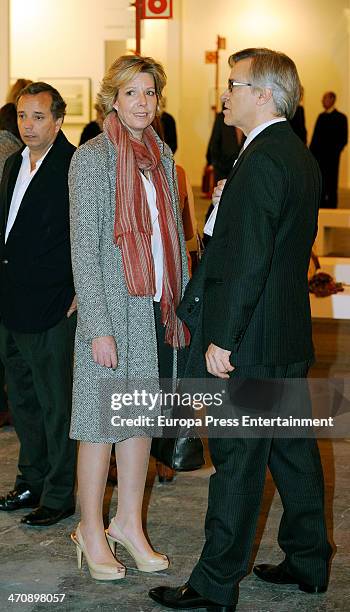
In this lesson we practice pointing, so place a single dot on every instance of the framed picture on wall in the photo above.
(76, 92)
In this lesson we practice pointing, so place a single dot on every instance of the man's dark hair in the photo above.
(8, 119)
(58, 105)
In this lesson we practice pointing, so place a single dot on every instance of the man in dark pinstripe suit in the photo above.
(250, 301)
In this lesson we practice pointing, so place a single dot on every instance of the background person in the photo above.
(224, 145)
(130, 267)
(37, 308)
(298, 120)
(94, 128)
(328, 140)
(10, 142)
(16, 88)
(10, 139)
(168, 125)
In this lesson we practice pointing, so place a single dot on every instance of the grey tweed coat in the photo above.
(104, 306)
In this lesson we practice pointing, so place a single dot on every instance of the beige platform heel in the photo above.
(155, 563)
(98, 571)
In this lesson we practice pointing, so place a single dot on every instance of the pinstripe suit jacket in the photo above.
(250, 293)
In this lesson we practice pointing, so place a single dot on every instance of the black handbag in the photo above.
(182, 454)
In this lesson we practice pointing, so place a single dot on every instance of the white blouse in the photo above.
(156, 241)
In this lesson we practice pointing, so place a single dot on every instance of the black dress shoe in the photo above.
(19, 498)
(278, 574)
(44, 516)
(185, 597)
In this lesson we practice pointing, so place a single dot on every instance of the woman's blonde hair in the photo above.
(123, 70)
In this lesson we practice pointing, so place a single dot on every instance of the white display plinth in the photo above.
(335, 306)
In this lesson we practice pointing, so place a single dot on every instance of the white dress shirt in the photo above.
(209, 226)
(156, 241)
(24, 177)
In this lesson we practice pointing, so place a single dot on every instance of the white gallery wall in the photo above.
(313, 32)
(66, 38)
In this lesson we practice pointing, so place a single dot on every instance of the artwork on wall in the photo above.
(76, 92)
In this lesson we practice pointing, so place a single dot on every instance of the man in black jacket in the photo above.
(251, 296)
(225, 144)
(168, 124)
(328, 140)
(37, 307)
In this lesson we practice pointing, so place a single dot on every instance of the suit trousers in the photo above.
(235, 495)
(39, 379)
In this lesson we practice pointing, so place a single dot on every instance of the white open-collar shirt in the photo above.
(24, 178)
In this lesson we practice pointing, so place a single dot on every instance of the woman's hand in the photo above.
(104, 351)
(218, 192)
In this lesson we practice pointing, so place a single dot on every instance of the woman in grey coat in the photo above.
(130, 269)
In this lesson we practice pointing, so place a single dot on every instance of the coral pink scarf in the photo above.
(133, 227)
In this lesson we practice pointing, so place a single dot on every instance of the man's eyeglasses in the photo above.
(232, 84)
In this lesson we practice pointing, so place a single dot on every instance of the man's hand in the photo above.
(104, 351)
(73, 307)
(218, 361)
(218, 192)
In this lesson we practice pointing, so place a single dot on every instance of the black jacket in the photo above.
(169, 130)
(330, 136)
(298, 124)
(251, 289)
(36, 281)
(223, 146)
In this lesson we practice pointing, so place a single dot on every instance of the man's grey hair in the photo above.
(276, 71)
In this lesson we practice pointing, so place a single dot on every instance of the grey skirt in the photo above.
(94, 386)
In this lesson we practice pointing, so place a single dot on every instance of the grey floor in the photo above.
(43, 561)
